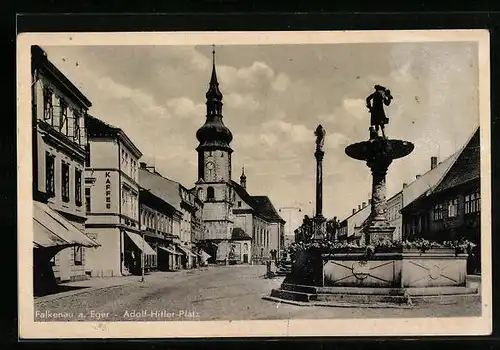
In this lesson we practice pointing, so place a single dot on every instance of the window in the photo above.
(438, 211)
(87, 200)
(65, 182)
(210, 193)
(87, 155)
(222, 154)
(78, 187)
(472, 203)
(63, 117)
(239, 204)
(48, 108)
(78, 255)
(453, 208)
(49, 175)
(76, 127)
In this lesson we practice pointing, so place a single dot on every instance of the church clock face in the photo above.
(210, 165)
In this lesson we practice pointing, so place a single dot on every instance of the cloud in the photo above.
(281, 83)
(184, 107)
(241, 101)
(140, 99)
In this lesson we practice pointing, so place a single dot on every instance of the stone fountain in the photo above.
(373, 273)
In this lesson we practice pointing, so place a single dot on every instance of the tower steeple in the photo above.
(243, 178)
(214, 134)
(214, 95)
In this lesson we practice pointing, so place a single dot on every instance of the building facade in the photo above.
(59, 152)
(450, 208)
(112, 193)
(186, 218)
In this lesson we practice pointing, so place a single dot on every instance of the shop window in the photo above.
(49, 175)
(65, 182)
(453, 208)
(472, 203)
(87, 200)
(78, 187)
(78, 255)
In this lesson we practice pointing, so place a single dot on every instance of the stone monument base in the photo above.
(392, 277)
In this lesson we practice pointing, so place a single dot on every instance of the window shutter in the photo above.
(71, 122)
(56, 111)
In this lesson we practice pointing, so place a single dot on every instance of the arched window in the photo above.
(210, 193)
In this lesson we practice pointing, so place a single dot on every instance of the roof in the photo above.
(239, 234)
(265, 208)
(98, 128)
(161, 187)
(261, 205)
(39, 60)
(466, 168)
(430, 181)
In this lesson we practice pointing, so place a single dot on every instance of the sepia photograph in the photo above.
(254, 184)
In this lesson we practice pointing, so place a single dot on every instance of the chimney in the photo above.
(418, 176)
(353, 210)
(364, 204)
(405, 185)
(143, 165)
(434, 162)
(359, 206)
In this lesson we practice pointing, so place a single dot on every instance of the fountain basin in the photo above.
(370, 149)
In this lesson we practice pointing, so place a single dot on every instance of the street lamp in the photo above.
(142, 252)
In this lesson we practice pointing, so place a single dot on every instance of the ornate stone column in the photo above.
(319, 221)
(378, 152)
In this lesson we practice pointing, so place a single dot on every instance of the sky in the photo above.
(274, 98)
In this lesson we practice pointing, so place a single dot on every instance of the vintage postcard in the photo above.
(243, 184)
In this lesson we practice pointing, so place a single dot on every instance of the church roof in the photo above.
(261, 205)
(239, 234)
(265, 207)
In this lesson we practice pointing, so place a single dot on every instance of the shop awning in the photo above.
(205, 256)
(186, 251)
(169, 250)
(140, 243)
(51, 229)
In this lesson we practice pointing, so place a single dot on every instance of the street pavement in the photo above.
(209, 293)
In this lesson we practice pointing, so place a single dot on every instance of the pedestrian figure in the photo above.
(375, 104)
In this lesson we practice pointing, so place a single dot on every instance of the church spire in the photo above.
(214, 134)
(243, 178)
(213, 95)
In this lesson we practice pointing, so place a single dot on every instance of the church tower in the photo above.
(243, 178)
(214, 167)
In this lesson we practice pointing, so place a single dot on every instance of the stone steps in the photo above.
(376, 297)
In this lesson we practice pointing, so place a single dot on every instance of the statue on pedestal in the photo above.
(320, 138)
(375, 104)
